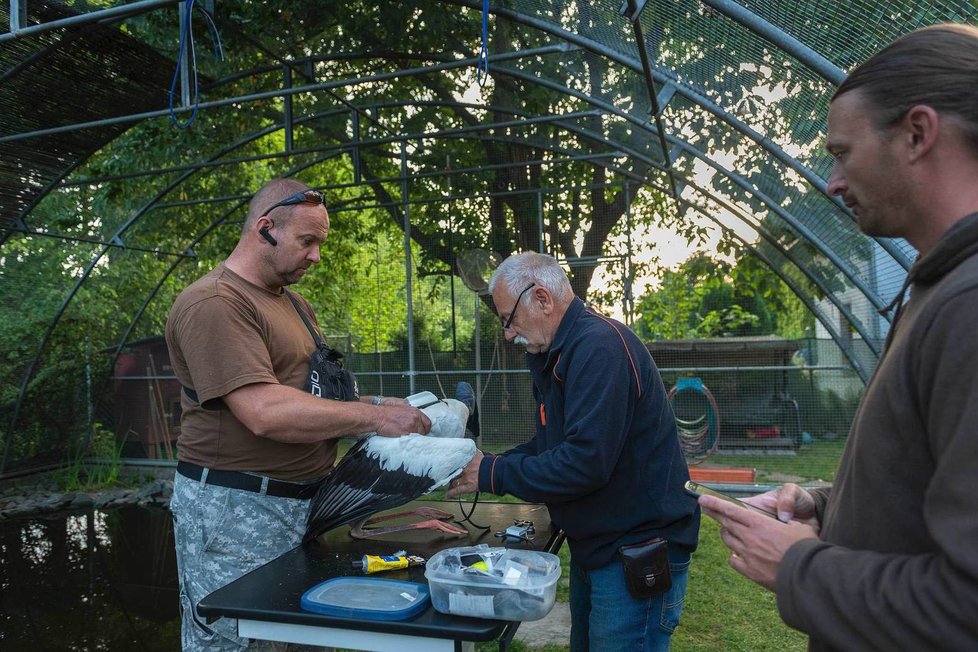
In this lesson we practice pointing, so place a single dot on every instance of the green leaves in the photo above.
(704, 297)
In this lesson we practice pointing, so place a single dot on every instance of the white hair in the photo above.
(519, 270)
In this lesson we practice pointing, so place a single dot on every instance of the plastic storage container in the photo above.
(366, 597)
(501, 583)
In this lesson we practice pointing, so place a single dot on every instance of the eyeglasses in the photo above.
(304, 197)
(509, 321)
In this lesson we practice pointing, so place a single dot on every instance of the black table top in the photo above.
(272, 592)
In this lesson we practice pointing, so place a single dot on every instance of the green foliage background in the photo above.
(113, 243)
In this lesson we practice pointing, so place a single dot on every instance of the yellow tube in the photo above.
(376, 563)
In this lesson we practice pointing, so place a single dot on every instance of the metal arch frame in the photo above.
(338, 148)
(310, 150)
(803, 231)
(792, 285)
(425, 70)
(783, 214)
(829, 327)
(800, 229)
(585, 133)
(429, 69)
(265, 95)
(784, 41)
(279, 93)
(138, 215)
(789, 44)
(285, 93)
(121, 11)
(437, 173)
(698, 99)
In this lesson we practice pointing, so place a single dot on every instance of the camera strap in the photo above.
(327, 377)
(331, 354)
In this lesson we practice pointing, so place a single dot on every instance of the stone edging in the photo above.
(42, 502)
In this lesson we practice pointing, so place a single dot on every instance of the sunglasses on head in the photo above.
(304, 197)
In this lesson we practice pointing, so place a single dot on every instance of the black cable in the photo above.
(467, 518)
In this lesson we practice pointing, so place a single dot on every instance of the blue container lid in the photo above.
(372, 598)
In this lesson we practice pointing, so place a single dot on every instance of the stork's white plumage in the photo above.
(380, 473)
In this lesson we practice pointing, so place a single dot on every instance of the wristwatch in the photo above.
(376, 400)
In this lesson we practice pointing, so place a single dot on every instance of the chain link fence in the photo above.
(782, 422)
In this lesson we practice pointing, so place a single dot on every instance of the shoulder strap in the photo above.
(305, 320)
(332, 354)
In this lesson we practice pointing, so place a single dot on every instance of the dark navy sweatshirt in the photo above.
(605, 457)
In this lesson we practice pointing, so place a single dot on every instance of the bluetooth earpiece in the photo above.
(263, 232)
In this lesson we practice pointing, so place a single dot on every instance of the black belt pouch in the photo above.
(646, 567)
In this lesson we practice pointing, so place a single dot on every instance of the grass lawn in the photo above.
(815, 462)
(726, 611)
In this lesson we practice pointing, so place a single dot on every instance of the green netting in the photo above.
(560, 151)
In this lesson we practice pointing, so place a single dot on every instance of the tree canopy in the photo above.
(586, 133)
(707, 297)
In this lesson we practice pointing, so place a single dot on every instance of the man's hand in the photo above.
(398, 420)
(468, 481)
(757, 543)
(790, 502)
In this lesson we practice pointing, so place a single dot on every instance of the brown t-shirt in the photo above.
(224, 333)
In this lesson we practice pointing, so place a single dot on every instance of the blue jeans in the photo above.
(606, 618)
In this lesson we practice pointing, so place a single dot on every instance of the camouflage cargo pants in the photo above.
(221, 534)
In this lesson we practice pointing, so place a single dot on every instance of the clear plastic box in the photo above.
(499, 583)
(366, 597)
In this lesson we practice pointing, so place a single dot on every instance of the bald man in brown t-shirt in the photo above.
(252, 442)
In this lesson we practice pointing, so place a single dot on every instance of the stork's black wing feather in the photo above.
(358, 487)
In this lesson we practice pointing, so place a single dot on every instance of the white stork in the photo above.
(380, 473)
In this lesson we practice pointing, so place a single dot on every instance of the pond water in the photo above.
(92, 580)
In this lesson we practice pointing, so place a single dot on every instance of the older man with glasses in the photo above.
(605, 459)
(252, 441)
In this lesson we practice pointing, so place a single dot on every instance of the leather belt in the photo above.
(248, 481)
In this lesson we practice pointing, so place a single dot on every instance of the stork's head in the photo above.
(448, 415)
(448, 418)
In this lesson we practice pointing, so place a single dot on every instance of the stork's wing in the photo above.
(380, 473)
